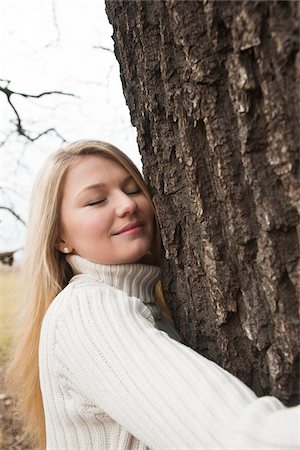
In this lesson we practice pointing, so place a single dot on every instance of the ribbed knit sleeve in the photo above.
(107, 351)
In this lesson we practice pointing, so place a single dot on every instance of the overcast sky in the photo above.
(52, 45)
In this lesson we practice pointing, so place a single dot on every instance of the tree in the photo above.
(212, 89)
(18, 129)
(41, 105)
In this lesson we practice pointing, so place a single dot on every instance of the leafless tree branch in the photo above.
(3, 142)
(8, 92)
(55, 22)
(19, 125)
(49, 130)
(103, 48)
(10, 189)
(11, 211)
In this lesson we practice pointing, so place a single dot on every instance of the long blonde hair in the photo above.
(46, 272)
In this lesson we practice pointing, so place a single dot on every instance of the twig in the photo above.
(19, 125)
(7, 208)
(103, 48)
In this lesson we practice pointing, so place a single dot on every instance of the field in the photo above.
(8, 287)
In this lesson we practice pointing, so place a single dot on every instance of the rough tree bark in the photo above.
(212, 89)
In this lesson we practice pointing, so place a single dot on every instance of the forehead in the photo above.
(90, 169)
(95, 166)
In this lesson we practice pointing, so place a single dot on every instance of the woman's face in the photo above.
(105, 217)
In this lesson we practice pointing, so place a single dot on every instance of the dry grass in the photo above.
(8, 288)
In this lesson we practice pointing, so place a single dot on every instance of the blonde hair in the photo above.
(46, 272)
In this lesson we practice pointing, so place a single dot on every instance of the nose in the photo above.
(125, 204)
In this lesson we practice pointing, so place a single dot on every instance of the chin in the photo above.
(134, 260)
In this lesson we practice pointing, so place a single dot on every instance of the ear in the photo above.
(62, 246)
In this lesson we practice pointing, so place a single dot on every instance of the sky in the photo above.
(51, 45)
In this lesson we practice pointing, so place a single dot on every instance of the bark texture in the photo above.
(213, 91)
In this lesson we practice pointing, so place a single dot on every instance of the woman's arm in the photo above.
(162, 392)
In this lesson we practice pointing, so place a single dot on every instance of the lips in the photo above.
(130, 226)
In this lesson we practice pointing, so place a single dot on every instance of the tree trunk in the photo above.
(212, 89)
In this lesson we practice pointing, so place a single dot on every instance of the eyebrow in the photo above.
(97, 186)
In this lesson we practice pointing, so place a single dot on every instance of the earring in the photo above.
(66, 250)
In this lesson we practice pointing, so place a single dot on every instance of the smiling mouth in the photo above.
(131, 228)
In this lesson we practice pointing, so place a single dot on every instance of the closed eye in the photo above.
(136, 191)
(95, 202)
(100, 201)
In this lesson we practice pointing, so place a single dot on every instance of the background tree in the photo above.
(45, 94)
(7, 257)
(213, 92)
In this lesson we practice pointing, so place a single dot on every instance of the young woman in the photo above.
(99, 363)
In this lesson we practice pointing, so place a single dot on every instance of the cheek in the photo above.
(85, 226)
(95, 224)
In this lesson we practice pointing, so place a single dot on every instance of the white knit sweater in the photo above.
(111, 380)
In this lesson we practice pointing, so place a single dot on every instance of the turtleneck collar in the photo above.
(137, 280)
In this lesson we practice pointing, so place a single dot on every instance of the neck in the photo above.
(137, 279)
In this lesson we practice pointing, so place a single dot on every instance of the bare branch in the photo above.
(8, 92)
(19, 125)
(8, 189)
(55, 22)
(49, 130)
(7, 208)
(6, 139)
(103, 48)
(20, 128)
